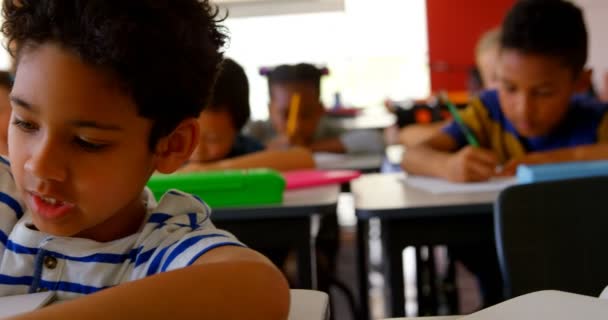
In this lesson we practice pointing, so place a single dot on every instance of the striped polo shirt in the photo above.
(586, 122)
(176, 232)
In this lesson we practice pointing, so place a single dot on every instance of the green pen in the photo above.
(465, 130)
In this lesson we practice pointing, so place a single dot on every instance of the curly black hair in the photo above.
(301, 72)
(165, 53)
(553, 28)
(231, 93)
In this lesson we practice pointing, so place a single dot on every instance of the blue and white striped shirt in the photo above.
(176, 231)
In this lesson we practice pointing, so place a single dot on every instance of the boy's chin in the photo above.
(54, 230)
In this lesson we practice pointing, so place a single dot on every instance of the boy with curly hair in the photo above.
(91, 122)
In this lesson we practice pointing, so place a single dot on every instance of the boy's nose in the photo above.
(45, 162)
(524, 106)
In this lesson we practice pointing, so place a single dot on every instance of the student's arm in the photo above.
(281, 160)
(436, 157)
(352, 142)
(582, 153)
(415, 134)
(225, 283)
(334, 145)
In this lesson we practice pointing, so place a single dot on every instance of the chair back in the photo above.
(552, 235)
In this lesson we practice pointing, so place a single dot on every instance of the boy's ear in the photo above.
(173, 150)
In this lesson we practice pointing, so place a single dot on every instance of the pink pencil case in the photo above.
(312, 178)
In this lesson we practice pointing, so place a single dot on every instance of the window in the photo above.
(374, 49)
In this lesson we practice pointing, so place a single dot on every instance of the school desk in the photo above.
(412, 217)
(546, 305)
(288, 225)
(340, 161)
(428, 318)
(371, 118)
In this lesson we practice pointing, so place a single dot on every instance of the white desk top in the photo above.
(546, 305)
(323, 195)
(428, 318)
(338, 161)
(296, 203)
(378, 192)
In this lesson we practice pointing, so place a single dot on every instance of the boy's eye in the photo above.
(510, 88)
(25, 125)
(543, 92)
(89, 146)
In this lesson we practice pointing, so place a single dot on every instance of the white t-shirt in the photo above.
(176, 231)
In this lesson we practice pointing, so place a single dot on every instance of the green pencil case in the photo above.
(229, 188)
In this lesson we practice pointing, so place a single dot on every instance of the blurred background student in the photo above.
(482, 77)
(297, 116)
(222, 144)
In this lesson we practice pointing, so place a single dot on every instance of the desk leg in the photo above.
(306, 254)
(426, 275)
(393, 271)
(363, 270)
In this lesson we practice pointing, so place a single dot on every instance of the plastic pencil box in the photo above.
(227, 188)
(560, 171)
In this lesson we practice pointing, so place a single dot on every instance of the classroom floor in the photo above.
(469, 297)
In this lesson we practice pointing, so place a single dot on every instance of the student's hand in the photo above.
(280, 142)
(471, 164)
(510, 168)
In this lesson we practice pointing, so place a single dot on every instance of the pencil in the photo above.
(465, 130)
(292, 118)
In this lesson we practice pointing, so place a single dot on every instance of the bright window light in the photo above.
(374, 50)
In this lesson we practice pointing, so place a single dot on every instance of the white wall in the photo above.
(596, 17)
(374, 49)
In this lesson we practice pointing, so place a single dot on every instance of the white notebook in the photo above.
(545, 305)
(441, 186)
(13, 305)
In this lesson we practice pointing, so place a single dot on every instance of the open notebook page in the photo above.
(441, 186)
(13, 305)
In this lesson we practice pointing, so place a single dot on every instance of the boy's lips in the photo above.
(49, 207)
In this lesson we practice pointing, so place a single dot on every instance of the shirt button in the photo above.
(50, 262)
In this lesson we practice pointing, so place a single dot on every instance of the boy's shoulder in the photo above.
(585, 104)
(489, 100)
(244, 145)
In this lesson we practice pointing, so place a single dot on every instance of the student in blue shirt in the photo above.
(224, 117)
(90, 123)
(312, 129)
(534, 116)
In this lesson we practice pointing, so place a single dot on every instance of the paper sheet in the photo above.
(13, 305)
(441, 186)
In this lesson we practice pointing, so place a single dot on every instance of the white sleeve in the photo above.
(11, 209)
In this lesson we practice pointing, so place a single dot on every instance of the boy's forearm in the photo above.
(280, 160)
(229, 290)
(423, 160)
(328, 145)
(581, 153)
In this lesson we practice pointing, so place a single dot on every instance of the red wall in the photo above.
(453, 28)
